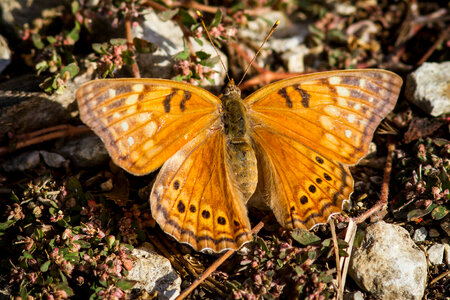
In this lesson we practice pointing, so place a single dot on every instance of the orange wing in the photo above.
(334, 113)
(143, 122)
(307, 129)
(194, 198)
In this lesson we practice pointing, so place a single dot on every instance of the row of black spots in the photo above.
(181, 207)
(312, 188)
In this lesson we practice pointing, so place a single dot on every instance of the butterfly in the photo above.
(292, 141)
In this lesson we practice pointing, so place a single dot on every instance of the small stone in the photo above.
(294, 59)
(434, 233)
(389, 264)
(436, 254)
(53, 160)
(429, 88)
(107, 186)
(22, 162)
(354, 296)
(420, 234)
(445, 225)
(447, 254)
(153, 272)
(85, 151)
(5, 54)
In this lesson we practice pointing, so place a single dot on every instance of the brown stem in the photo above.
(204, 8)
(62, 130)
(384, 188)
(340, 288)
(444, 35)
(130, 44)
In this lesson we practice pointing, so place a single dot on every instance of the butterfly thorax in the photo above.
(241, 158)
(233, 113)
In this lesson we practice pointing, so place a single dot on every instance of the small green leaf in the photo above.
(167, 15)
(186, 18)
(117, 42)
(6, 225)
(99, 48)
(74, 34)
(304, 237)
(439, 212)
(202, 55)
(199, 41)
(27, 255)
(416, 214)
(71, 69)
(143, 46)
(183, 55)
(217, 18)
(262, 244)
(44, 267)
(125, 284)
(210, 62)
(75, 6)
(37, 41)
(65, 287)
(72, 256)
(359, 237)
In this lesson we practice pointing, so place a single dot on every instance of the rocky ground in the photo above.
(74, 225)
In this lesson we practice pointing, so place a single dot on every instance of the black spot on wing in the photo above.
(166, 101)
(304, 95)
(186, 96)
(283, 93)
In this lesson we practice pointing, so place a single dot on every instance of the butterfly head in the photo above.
(231, 90)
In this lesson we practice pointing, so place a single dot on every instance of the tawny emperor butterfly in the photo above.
(294, 139)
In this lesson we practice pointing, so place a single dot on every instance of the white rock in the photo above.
(354, 296)
(294, 59)
(389, 264)
(436, 254)
(154, 272)
(447, 254)
(287, 39)
(420, 234)
(428, 87)
(85, 151)
(53, 160)
(5, 53)
(22, 162)
(169, 39)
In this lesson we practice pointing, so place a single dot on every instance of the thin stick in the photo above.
(444, 35)
(439, 277)
(384, 188)
(340, 289)
(69, 130)
(259, 50)
(130, 44)
(212, 44)
(214, 267)
(345, 261)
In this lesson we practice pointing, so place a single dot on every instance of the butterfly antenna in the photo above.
(259, 50)
(210, 40)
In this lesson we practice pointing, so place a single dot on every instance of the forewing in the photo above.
(335, 113)
(143, 122)
(194, 198)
